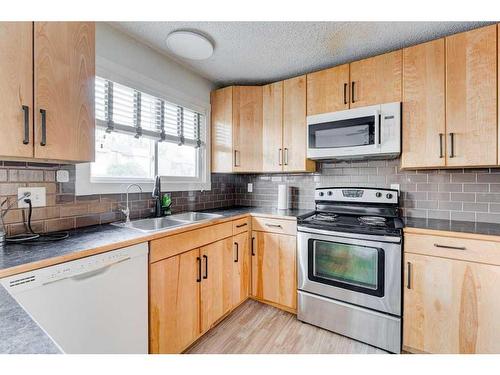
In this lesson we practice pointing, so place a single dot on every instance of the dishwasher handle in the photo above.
(89, 273)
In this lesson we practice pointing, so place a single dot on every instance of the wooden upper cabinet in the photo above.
(294, 126)
(451, 306)
(174, 303)
(247, 128)
(64, 59)
(471, 97)
(424, 127)
(16, 89)
(222, 130)
(328, 90)
(376, 80)
(272, 123)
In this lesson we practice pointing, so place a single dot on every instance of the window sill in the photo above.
(84, 185)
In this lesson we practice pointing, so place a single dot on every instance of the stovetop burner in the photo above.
(373, 220)
(330, 217)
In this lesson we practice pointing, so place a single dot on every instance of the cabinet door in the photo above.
(241, 268)
(174, 295)
(216, 281)
(64, 89)
(247, 128)
(294, 126)
(222, 130)
(274, 268)
(471, 97)
(272, 138)
(451, 306)
(376, 80)
(423, 105)
(16, 89)
(328, 90)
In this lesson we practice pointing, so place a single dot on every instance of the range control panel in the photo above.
(361, 195)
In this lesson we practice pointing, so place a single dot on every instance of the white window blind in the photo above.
(126, 110)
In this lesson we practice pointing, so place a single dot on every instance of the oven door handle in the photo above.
(378, 138)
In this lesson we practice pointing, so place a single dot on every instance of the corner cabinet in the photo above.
(451, 302)
(236, 115)
(260, 128)
(54, 64)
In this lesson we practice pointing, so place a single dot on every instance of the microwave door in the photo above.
(344, 138)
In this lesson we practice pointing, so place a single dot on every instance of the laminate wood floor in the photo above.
(255, 327)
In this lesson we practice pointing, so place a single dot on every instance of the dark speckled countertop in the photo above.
(18, 332)
(490, 229)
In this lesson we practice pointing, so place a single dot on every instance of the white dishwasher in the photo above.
(97, 304)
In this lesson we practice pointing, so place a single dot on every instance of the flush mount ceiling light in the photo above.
(190, 45)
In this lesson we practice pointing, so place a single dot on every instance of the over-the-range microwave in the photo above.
(372, 132)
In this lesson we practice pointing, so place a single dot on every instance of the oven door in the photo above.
(362, 272)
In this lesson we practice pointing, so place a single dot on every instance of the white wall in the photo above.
(121, 56)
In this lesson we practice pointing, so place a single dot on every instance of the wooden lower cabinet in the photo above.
(274, 268)
(216, 282)
(240, 277)
(450, 306)
(192, 291)
(174, 303)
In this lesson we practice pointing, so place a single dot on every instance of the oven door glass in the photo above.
(343, 133)
(353, 267)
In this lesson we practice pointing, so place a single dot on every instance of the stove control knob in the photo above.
(388, 196)
(330, 193)
(378, 194)
(321, 193)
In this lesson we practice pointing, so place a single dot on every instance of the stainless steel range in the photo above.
(349, 265)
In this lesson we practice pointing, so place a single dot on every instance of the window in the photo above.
(139, 135)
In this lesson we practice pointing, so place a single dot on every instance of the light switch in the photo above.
(250, 187)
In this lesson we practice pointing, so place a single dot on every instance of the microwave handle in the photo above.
(378, 140)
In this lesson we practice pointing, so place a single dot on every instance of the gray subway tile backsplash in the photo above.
(457, 194)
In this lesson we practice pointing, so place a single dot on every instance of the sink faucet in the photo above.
(157, 197)
(126, 210)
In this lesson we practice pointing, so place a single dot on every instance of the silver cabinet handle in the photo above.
(280, 157)
(450, 247)
(452, 145)
(286, 157)
(408, 275)
(274, 225)
(87, 273)
(441, 153)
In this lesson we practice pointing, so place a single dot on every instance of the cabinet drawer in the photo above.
(274, 225)
(178, 243)
(479, 251)
(241, 225)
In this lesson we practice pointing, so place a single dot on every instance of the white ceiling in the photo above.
(261, 52)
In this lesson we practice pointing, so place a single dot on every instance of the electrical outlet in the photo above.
(37, 196)
(62, 175)
(250, 187)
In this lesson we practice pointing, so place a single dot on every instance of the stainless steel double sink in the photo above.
(160, 223)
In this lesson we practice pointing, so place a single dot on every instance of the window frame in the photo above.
(86, 185)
